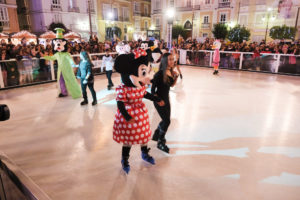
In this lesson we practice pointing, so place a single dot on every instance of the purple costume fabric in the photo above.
(62, 85)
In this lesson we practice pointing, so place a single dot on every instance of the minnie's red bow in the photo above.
(139, 52)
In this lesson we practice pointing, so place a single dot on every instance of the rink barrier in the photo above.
(267, 62)
(19, 73)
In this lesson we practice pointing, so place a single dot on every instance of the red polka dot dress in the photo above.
(132, 133)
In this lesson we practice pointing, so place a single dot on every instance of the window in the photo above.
(116, 14)
(207, 1)
(137, 7)
(172, 3)
(125, 14)
(3, 1)
(146, 11)
(92, 6)
(189, 3)
(205, 19)
(137, 24)
(146, 25)
(56, 4)
(223, 18)
(157, 22)
(4, 20)
(243, 20)
(157, 5)
(260, 2)
(205, 35)
(106, 10)
(259, 18)
(72, 3)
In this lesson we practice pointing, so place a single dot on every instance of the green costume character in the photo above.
(65, 76)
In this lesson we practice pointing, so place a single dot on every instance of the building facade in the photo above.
(199, 16)
(72, 13)
(8, 16)
(131, 16)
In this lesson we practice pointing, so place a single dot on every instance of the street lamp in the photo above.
(170, 15)
(268, 19)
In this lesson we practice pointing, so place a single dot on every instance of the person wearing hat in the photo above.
(65, 76)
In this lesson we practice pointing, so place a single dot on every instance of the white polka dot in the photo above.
(140, 124)
(133, 94)
(136, 118)
(122, 137)
(133, 132)
(136, 111)
(147, 126)
(129, 126)
(131, 137)
(114, 137)
(145, 115)
(136, 100)
(124, 125)
(137, 137)
(143, 128)
(122, 119)
(138, 130)
(127, 132)
(145, 121)
(121, 91)
(120, 125)
(126, 137)
(141, 116)
(128, 95)
(132, 113)
(145, 140)
(142, 135)
(135, 125)
(130, 143)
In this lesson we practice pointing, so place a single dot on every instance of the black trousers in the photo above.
(91, 87)
(108, 75)
(165, 114)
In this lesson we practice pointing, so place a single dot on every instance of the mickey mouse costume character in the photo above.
(65, 75)
(131, 124)
(146, 46)
(216, 57)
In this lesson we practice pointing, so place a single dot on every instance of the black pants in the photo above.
(91, 87)
(165, 114)
(108, 75)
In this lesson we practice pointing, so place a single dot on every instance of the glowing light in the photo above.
(170, 13)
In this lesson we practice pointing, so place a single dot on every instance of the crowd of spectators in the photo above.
(32, 50)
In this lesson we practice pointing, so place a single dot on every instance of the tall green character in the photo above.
(65, 76)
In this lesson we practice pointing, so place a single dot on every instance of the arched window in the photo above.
(188, 25)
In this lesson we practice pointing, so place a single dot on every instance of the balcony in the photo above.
(73, 9)
(56, 7)
(92, 10)
(205, 26)
(136, 13)
(146, 15)
(157, 11)
(124, 19)
(188, 8)
(224, 4)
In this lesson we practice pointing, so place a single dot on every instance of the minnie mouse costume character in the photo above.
(131, 125)
(65, 75)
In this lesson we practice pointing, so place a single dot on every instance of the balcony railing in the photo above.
(92, 10)
(124, 19)
(136, 13)
(156, 11)
(224, 4)
(205, 25)
(188, 8)
(146, 15)
(73, 9)
(56, 7)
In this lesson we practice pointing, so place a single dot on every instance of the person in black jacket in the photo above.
(165, 78)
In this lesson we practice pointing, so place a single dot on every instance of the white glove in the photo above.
(84, 81)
